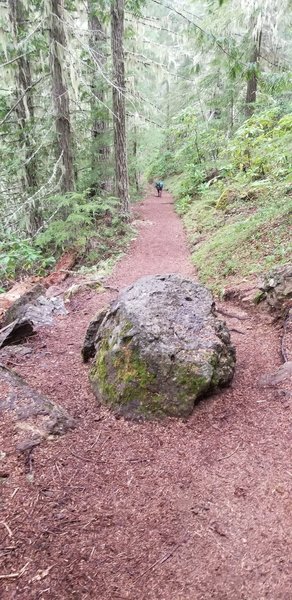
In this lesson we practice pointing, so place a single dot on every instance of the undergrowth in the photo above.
(238, 213)
(92, 227)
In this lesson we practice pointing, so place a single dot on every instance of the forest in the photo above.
(145, 337)
(100, 98)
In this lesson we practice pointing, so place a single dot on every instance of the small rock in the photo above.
(16, 331)
(276, 288)
(29, 444)
(33, 415)
(36, 307)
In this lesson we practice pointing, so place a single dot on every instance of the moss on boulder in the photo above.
(159, 348)
(227, 197)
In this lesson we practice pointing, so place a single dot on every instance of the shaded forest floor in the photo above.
(178, 510)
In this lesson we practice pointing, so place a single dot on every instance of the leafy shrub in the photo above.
(183, 204)
(261, 145)
(20, 256)
(92, 226)
(77, 220)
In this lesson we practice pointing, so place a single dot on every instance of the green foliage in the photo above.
(92, 226)
(19, 256)
(262, 146)
(161, 165)
(74, 220)
(183, 204)
(247, 244)
(238, 215)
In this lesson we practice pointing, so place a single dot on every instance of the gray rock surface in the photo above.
(34, 417)
(36, 307)
(276, 288)
(15, 332)
(159, 347)
(89, 347)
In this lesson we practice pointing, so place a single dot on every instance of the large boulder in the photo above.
(158, 348)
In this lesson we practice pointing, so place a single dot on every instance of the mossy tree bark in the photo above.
(119, 109)
(100, 121)
(25, 110)
(64, 142)
(252, 82)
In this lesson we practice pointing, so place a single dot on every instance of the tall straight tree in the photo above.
(60, 94)
(252, 82)
(119, 109)
(100, 149)
(24, 108)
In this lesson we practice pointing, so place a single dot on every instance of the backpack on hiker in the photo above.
(159, 187)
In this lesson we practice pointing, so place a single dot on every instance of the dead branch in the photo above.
(162, 560)
(7, 528)
(16, 574)
(232, 316)
(229, 455)
(20, 99)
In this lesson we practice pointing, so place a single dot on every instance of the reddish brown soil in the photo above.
(174, 510)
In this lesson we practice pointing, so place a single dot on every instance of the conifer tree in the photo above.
(119, 109)
(60, 94)
(24, 108)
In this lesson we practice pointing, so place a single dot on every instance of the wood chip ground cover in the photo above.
(192, 510)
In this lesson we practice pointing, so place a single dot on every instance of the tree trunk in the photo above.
(252, 82)
(119, 119)
(100, 149)
(167, 113)
(25, 111)
(135, 153)
(61, 97)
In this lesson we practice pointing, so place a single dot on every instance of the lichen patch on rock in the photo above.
(159, 348)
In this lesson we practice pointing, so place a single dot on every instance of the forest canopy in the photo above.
(99, 98)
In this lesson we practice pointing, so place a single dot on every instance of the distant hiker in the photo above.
(159, 187)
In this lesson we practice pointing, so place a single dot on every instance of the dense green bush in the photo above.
(91, 226)
(19, 256)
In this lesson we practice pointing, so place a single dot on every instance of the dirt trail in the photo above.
(192, 510)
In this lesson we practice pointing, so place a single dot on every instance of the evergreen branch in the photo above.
(206, 33)
(25, 40)
(144, 60)
(21, 98)
(152, 26)
(144, 119)
(92, 55)
(9, 62)
(38, 192)
(138, 96)
(278, 66)
(38, 149)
